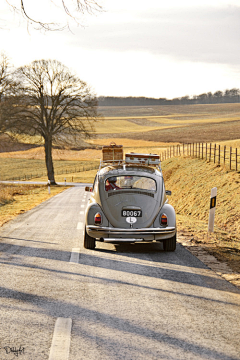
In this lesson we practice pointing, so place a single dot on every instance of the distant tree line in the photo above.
(227, 96)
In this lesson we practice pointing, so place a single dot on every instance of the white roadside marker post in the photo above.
(212, 209)
(49, 190)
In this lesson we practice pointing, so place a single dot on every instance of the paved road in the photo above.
(126, 302)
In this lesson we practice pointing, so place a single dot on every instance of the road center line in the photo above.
(61, 339)
(81, 213)
(75, 255)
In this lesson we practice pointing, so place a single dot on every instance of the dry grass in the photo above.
(112, 126)
(232, 143)
(200, 111)
(127, 143)
(183, 123)
(26, 169)
(16, 199)
(191, 181)
(212, 132)
(58, 154)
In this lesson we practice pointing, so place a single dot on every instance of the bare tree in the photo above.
(8, 94)
(56, 105)
(73, 8)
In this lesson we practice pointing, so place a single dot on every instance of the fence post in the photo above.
(230, 158)
(206, 151)
(214, 153)
(202, 150)
(224, 154)
(219, 155)
(210, 151)
(236, 160)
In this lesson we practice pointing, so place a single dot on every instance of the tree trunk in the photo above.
(49, 160)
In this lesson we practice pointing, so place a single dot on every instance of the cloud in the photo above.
(210, 35)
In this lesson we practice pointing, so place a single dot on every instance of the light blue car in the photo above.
(128, 203)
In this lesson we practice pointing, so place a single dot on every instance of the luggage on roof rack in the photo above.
(143, 159)
(112, 152)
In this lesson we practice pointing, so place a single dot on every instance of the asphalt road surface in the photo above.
(61, 301)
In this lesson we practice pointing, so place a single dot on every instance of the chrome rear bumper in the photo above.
(144, 233)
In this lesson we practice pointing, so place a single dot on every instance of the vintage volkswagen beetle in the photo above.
(128, 203)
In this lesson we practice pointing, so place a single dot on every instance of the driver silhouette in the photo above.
(111, 184)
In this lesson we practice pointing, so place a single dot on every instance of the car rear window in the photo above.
(130, 182)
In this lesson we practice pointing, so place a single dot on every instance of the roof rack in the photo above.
(112, 154)
(137, 159)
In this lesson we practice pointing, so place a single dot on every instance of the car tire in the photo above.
(170, 244)
(89, 242)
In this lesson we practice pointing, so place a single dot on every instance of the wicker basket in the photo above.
(112, 152)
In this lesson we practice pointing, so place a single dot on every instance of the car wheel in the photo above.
(89, 242)
(170, 244)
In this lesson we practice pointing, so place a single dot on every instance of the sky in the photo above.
(153, 48)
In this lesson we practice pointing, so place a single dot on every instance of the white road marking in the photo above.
(79, 225)
(82, 206)
(75, 255)
(83, 200)
(81, 213)
(61, 339)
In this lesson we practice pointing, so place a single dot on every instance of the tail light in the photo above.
(163, 220)
(98, 219)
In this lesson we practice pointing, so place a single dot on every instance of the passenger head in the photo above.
(112, 179)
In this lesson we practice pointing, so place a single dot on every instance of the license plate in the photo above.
(132, 213)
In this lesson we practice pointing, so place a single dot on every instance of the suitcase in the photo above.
(144, 159)
(112, 152)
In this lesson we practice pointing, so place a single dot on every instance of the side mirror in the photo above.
(88, 188)
(168, 192)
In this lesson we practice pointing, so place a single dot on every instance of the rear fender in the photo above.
(168, 210)
(91, 210)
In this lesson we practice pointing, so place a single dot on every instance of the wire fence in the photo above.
(219, 154)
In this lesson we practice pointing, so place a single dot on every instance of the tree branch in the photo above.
(81, 7)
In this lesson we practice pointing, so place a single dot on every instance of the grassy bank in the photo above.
(191, 181)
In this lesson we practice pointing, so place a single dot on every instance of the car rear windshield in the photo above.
(130, 182)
